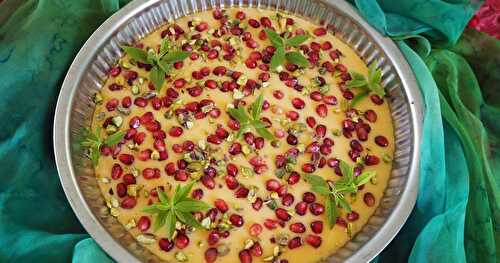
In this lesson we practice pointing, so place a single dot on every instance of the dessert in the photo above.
(241, 135)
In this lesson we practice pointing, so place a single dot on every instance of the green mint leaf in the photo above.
(182, 192)
(296, 40)
(163, 197)
(257, 124)
(191, 206)
(360, 96)
(377, 89)
(297, 58)
(265, 133)
(357, 76)
(95, 153)
(315, 180)
(364, 178)
(170, 221)
(136, 53)
(275, 38)
(243, 128)
(160, 221)
(257, 106)
(330, 210)
(343, 203)
(114, 138)
(166, 67)
(347, 172)
(188, 219)
(356, 83)
(240, 115)
(278, 58)
(320, 189)
(175, 56)
(374, 73)
(157, 76)
(152, 209)
(164, 47)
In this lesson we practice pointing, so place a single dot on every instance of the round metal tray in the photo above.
(88, 72)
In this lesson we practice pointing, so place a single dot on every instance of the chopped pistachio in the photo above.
(282, 239)
(114, 202)
(336, 132)
(131, 224)
(104, 180)
(110, 129)
(280, 173)
(301, 147)
(248, 243)
(206, 222)
(155, 155)
(135, 171)
(374, 180)
(349, 229)
(245, 149)
(268, 259)
(114, 212)
(246, 172)
(181, 257)
(97, 98)
(132, 189)
(123, 110)
(117, 121)
(222, 250)
(386, 158)
(276, 251)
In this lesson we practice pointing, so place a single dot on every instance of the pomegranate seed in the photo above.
(287, 200)
(295, 243)
(308, 168)
(214, 139)
(298, 103)
(144, 223)
(251, 63)
(255, 229)
(352, 216)
(256, 250)
(112, 104)
(175, 131)
(121, 190)
(241, 192)
(381, 141)
(270, 224)
(322, 110)
(217, 14)
(292, 115)
(211, 84)
(140, 102)
(257, 205)
(316, 209)
(181, 241)
(253, 23)
(128, 202)
(201, 26)
(330, 100)
(165, 244)
(297, 228)
(181, 175)
(197, 194)
(266, 22)
(231, 182)
(311, 122)
(370, 115)
(208, 181)
(313, 240)
(317, 227)
(293, 178)
(326, 45)
(377, 99)
(219, 71)
(372, 160)
(221, 205)
(126, 159)
(272, 185)
(211, 255)
(245, 256)
(213, 238)
(282, 214)
(195, 91)
(179, 83)
(369, 199)
(236, 220)
(116, 171)
(278, 94)
(291, 139)
(308, 197)
(320, 130)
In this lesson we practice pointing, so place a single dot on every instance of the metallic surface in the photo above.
(88, 72)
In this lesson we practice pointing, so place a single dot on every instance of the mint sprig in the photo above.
(162, 61)
(281, 44)
(335, 192)
(92, 141)
(247, 121)
(372, 84)
(177, 208)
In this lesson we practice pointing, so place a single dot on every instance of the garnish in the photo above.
(178, 208)
(335, 191)
(246, 121)
(162, 61)
(93, 141)
(281, 44)
(372, 84)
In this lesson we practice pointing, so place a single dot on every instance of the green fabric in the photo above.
(456, 216)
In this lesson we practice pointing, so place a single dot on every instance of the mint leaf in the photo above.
(296, 40)
(297, 58)
(347, 172)
(166, 67)
(322, 190)
(364, 178)
(343, 203)
(257, 106)
(164, 47)
(315, 180)
(240, 115)
(182, 192)
(157, 76)
(359, 97)
(191, 206)
(114, 138)
(174, 56)
(265, 133)
(330, 210)
(95, 153)
(136, 53)
(162, 196)
(275, 38)
(356, 83)
(377, 89)
(160, 220)
(278, 58)
(170, 221)
(188, 218)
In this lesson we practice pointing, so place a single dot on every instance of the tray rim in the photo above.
(62, 151)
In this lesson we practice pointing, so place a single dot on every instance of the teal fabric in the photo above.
(450, 223)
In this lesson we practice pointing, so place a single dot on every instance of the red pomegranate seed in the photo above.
(128, 202)
(140, 102)
(320, 130)
(291, 139)
(211, 255)
(236, 220)
(292, 115)
(256, 250)
(308, 197)
(201, 26)
(217, 14)
(369, 199)
(221, 205)
(245, 256)
(287, 199)
(313, 240)
(165, 244)
(272, 185)
(308, 168)
(330, 100)
(197, 194)
(253, 23)
(352, 216)
(326, 45)
(181, 241)
(282, 214)
(175, 131)
(372, 160)
(377, 99)
(266, 22)
(126, 159)
(208, 181)
(381, 141)
(231, 182)
(181, 175)
(316, 209)
(271, 224)
(121, 190)
(297, 228)
(317, 227)
(295, 243)
(255, 229)
(241, 192)
(116, 171)
(112, 104)
(316, 96)
(311, 122)
(219, 71)
(214, 139)
(143, 223)
(371, 115)
(213, 238)
(257, 205)
(298, 103)
(322, 110)
(293, 178)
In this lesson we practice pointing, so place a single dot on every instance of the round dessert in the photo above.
(241, 135)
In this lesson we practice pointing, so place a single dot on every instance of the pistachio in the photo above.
(222, 250)
(123, 110)
(114, 212)
(97, 98)
(131, 224)
(110, 129)
(282, 239)
(114, 202)
(248, 243)
(155, 155)
(132, 189)
(206, 222)
(181, 257)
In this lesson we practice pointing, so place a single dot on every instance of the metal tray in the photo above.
(88, 72)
